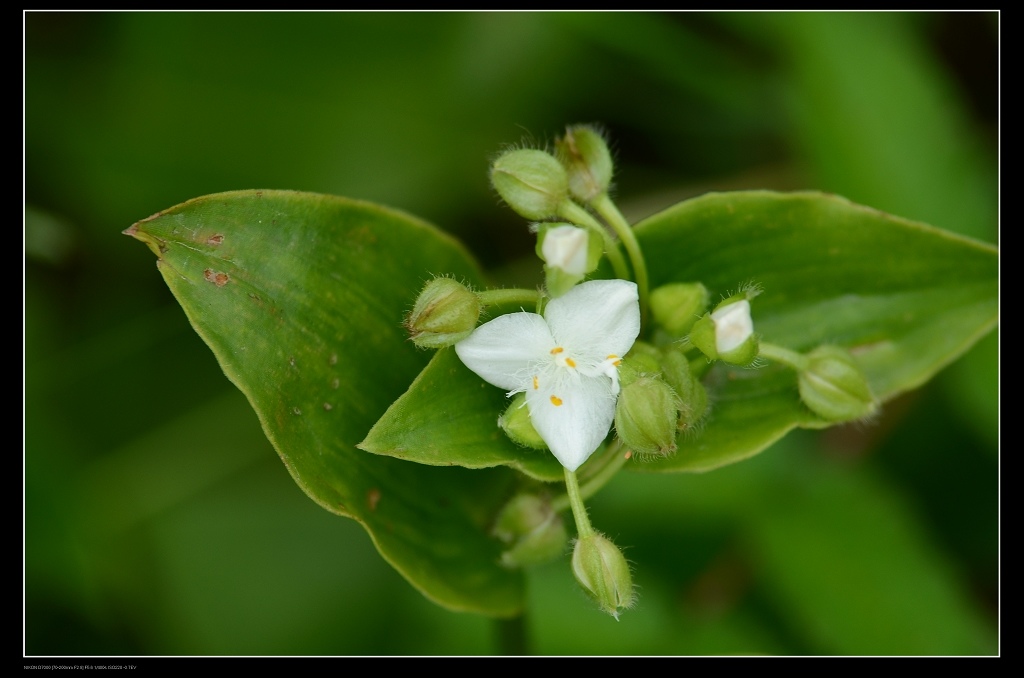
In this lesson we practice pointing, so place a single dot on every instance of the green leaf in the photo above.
(905, 298)
(300, 297)
(448, 416)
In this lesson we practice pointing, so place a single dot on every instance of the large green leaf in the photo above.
(448, 416)
(300, 297)
(905, 298)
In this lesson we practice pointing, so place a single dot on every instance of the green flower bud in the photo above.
(645, 417)
(727, 333)
(585, 156)
(691, 394)
(532, 182)
(535, 533)
(603, 572)
(642, 360)
(834, 387)
(518, 426)
(446, 312)
(676, 306)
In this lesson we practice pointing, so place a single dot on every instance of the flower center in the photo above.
(561, 358)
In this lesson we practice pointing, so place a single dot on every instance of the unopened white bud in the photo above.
(565, 247)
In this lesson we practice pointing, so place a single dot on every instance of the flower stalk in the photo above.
(613, 217)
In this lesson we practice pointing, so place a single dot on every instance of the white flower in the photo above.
(566, 362)
(733, 325)
(565, 247)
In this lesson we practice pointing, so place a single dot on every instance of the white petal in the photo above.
(597, 318)
(573, 415)
(502, 351)
(566, 248)
(732, 325)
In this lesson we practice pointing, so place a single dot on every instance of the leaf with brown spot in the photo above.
(309, 329)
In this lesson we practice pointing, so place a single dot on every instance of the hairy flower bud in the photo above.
(645, 417)
(643, 360)
(677, 306)
(834, 387)
(532, 182)
(445, 312)
(691, 394)
(727, 333)
(603, 572)
(585, 156)
(533, 530)
(518, 426)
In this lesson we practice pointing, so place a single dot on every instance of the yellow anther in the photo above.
(570, 362)
(556, 350)
(612, 356)
(536, 383)
(556, 401)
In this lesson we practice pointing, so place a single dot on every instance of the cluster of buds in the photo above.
(660, 399)
(574, 368)
(537, 184)
(543, 187)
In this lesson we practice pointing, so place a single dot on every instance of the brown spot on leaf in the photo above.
(372, 497)
(333, 360)
(361, 237)
(328, 407)
(335, 383)
(215, 239)
(218, 278)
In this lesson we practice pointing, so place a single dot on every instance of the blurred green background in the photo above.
(159, 520)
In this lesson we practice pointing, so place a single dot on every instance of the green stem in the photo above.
(611, 461)
(577, 215)
(509, 296)
(797, 361)
(611, 214)
(579, 511)
(512, 636)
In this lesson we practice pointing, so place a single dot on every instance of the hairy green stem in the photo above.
(611, 214)
(579, 511)
(605, 468)
(797, 361)
(508, 296)
(581, 217)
